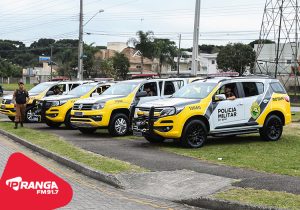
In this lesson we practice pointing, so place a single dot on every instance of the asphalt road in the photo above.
(142, 153)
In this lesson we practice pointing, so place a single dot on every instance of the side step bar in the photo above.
(234, 133)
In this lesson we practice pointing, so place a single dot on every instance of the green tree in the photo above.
(236, 57)
(263, 41)
(121, 66)
(8, 69)
(107, 68)
(144, 43)
(165, 51)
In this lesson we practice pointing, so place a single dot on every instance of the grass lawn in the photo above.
(261, 197)
(281, 157)
(12, 87)
(57, 145)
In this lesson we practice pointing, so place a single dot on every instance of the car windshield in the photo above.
(123, 88)
(81, 90)
(40, 88)
(197, 90)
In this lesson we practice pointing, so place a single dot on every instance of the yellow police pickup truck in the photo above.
(56, 110)
(112, 109)
(39, 91)
(216, 107)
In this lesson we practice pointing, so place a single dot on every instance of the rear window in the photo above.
(277, 88)
(253, 88)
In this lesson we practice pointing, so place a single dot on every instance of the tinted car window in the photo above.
(250, 89)
(169, 88)
(277, 87)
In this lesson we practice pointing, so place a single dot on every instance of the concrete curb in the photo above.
(101, 176)
(215, 204)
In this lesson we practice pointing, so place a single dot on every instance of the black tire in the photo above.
(67, 122)
(29, 115)
(123, 121)
(194, 134)
(272, 129)
(87, 130)
(52, 124)
(154, 138)
(11, 118)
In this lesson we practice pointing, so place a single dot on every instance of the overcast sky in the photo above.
(222, 21)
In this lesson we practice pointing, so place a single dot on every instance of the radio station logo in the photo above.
(33, 186)
(41, 188)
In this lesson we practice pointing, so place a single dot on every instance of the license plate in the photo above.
(2, 106)
(136, 133)
(78, 114)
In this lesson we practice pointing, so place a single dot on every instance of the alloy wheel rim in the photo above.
(121, 126)
(30, 115)
(196, 136)
(274, 129)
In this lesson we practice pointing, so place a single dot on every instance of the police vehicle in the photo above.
(112, 109)
(202, 108)
(56, 110)
(41, 90)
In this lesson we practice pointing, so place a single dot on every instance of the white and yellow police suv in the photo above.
(56, 110)
(38, 92)
(112, 109)
(202, 108)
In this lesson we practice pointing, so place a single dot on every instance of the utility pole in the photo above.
(179, 55)
(296, 50)
(51, 62)
(80, 44)
(196, 38)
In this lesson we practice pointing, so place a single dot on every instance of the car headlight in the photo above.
(55, 103)
(98, 106)
(168, 112)
(62, 102)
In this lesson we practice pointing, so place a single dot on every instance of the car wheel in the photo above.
(194, 134)
(87, 130)
(119, 125)
(272, 129)
(52, 124)
(30, 115)
(11, 118)
(154, 138)
(67, 122)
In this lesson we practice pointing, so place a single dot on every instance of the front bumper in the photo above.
(8, 110)
(167, 127)
(90, 119)
(57, 114)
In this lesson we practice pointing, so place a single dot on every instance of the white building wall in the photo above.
(267, 56)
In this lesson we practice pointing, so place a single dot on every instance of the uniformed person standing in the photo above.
(21, 97)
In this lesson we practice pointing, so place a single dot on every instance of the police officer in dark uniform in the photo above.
(20, 97)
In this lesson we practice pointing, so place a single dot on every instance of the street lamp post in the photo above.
(80, 44)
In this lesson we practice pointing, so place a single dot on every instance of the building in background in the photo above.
(207, 65)
(266, 59)
(38, 74)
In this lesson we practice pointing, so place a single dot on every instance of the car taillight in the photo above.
(287, 98)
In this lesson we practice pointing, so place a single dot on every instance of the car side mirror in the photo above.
(95, 94)
(141, 94)
(220, 97)
(50, 93)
